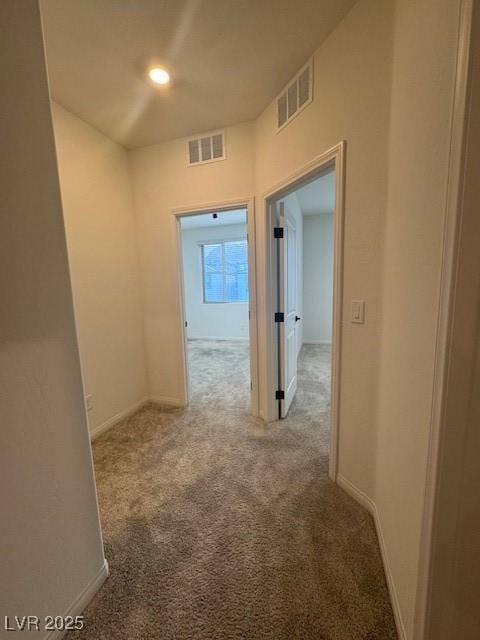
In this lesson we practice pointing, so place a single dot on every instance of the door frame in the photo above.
(334, 158)
(217, 207)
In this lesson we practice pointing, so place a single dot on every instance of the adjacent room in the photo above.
(307, 214)
(216, 307)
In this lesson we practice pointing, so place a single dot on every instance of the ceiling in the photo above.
(317, 197)
(237, 216)
(228, 60)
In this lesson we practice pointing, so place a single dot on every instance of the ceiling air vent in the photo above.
(296, 96)
(206, 148)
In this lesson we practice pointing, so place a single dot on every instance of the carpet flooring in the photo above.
(218, 526)
(219, 374)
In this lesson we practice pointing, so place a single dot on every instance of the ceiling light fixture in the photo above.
(158, 75)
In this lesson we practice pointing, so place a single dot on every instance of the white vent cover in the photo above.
(296, 96)
(206, 148)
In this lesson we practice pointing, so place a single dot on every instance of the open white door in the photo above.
(287, 300)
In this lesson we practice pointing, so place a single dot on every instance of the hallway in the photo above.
(217, 526)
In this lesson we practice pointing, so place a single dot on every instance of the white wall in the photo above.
(215, 321)
(318, 244)
(102, 247)
(50, 533)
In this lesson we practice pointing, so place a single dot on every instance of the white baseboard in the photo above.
(368, 503)
(111, 422)
(167, 401)
(218, 339)
(325, 342)
(96, 431)
(81, 601)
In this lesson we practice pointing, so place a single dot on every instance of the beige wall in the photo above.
(102, 247)
(420, 113)
(50, 534)
(162, 181)
(453, 610)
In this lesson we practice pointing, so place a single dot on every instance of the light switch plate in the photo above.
(358, 311)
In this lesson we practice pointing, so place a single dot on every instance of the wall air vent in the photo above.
(296, 96)
(209, 147)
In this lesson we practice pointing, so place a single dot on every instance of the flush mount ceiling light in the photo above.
(158, 75)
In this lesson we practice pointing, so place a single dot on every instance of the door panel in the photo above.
(287, 280)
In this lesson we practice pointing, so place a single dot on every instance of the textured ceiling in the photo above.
(228, 59)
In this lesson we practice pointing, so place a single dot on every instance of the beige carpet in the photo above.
(220, 527)
(219, 374)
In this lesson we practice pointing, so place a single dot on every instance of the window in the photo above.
(225, 271)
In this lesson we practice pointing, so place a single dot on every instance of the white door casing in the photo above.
(221, 207)
(333, 158)
(287, 280)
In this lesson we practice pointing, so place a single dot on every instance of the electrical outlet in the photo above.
(89, 402)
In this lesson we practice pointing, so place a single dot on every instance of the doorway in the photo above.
(304, 276)
(216, 266)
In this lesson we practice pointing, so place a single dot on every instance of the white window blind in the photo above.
(225, 271)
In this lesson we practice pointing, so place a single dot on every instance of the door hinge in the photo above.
(251, 385)
(278, 232)
(279, 316)
(279, 394)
